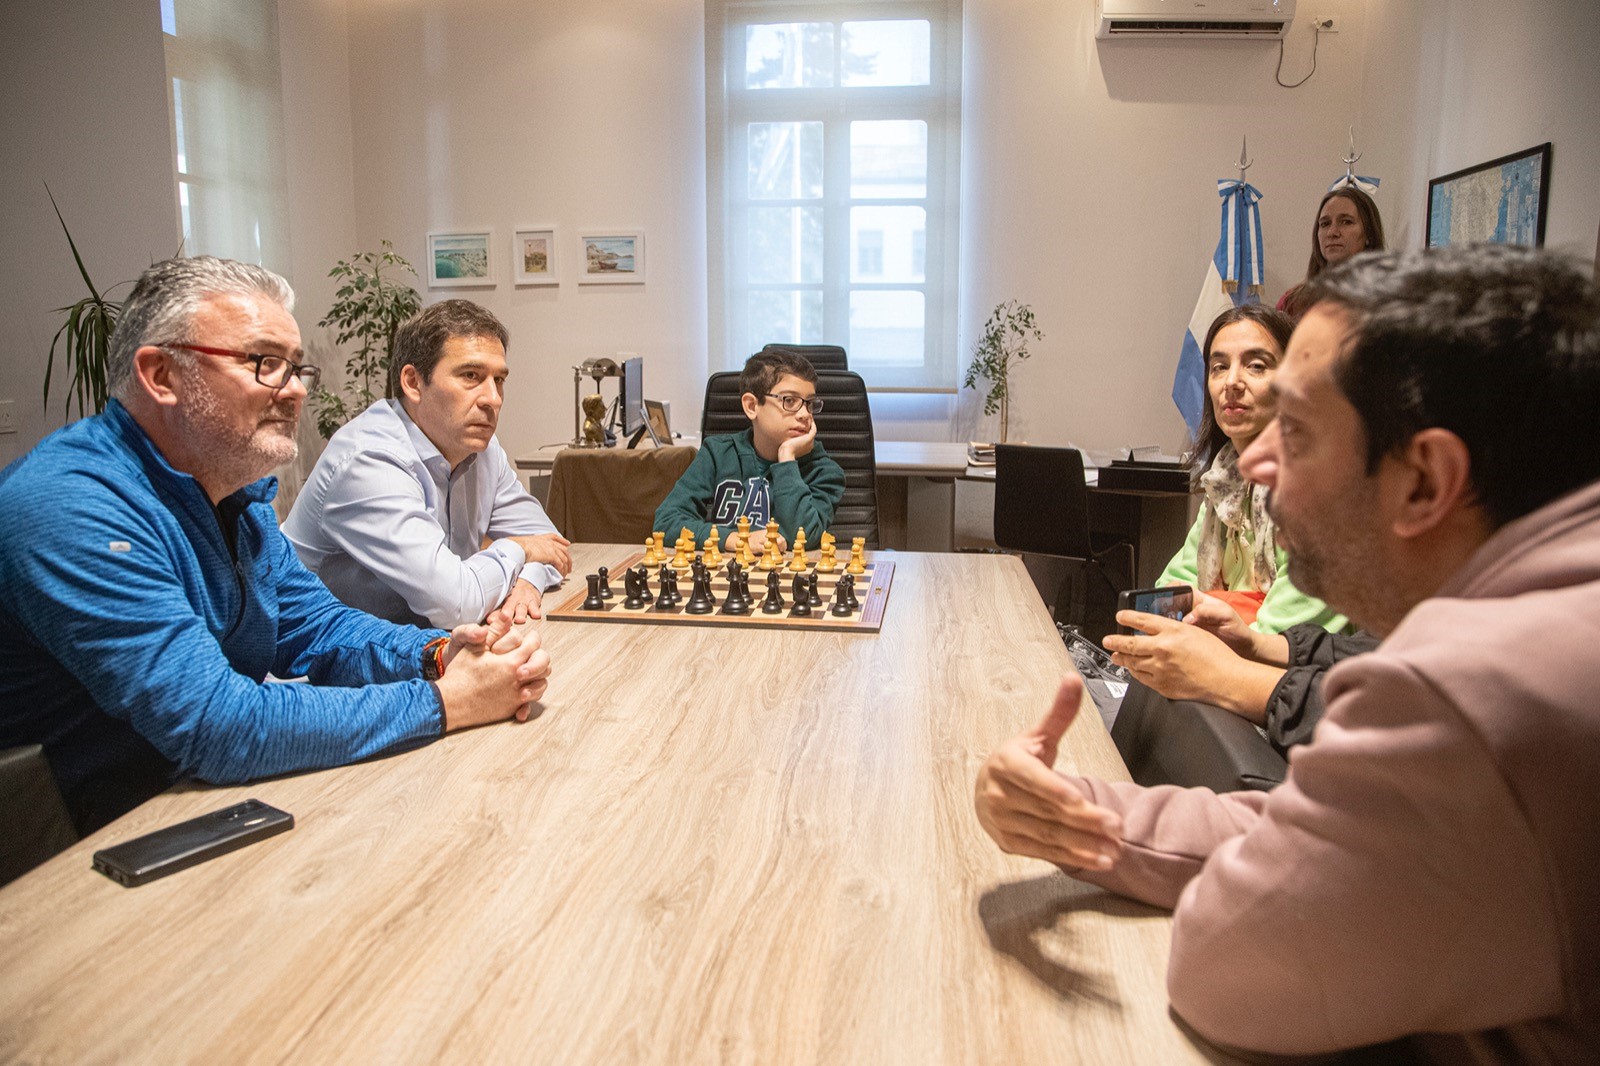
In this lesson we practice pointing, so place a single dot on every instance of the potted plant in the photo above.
(87, 333)
(1005, 340)
(368, 308)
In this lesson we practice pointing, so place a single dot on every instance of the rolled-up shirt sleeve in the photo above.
(376, 513)
(518, 514)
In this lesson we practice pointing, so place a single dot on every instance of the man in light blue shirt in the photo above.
(395, 515)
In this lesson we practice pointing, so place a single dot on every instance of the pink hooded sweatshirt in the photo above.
(1431, 867)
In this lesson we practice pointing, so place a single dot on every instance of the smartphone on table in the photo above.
(178, 847)
(1173, 601)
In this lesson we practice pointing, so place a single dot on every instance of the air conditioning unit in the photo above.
(1229, 20)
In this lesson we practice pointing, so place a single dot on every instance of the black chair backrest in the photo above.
(844, 427)
(1041, 503)
(34, 824)
(821, 356)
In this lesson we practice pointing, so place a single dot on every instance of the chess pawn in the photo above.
(605, 583)
(858, 556)
(681, 553)
(773, 604)
(826, 563)
(799, 564)
(747, 558)
(712, 556)
(813, 596)
(649, 551)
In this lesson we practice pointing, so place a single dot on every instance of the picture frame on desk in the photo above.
(611, 257)
(655, 421)
(460, 259)
(534, 260)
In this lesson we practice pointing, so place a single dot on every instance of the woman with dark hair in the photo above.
(1347, 224)
(1231, 551)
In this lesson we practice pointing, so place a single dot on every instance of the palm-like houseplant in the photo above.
(85, 355)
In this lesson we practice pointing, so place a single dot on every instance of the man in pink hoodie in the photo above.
(1427, 873)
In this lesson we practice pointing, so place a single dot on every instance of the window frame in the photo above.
(732, 108)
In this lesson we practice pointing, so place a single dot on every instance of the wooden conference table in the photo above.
(712, 844)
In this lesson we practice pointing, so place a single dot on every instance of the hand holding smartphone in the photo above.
(1173, 601)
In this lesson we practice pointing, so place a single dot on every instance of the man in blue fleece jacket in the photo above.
(146, 592)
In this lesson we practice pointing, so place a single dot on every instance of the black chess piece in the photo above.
(800, 589)
(667, 595)
(773, 604)
(737, 601)
(849, 583)
(813, 597)
(700, 599)
(605, 583)
(593, 602)
(636, 583)
(841, 600)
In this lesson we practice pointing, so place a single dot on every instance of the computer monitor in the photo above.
(632, 396)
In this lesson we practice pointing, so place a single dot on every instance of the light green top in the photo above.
(1283, 606)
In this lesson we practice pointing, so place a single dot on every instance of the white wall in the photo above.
(85, 110)
(532, 112)
(1453, 83)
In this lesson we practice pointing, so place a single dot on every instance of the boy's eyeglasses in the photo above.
(790, 403)
(273, 371)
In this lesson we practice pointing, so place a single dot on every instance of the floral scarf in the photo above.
(1236, 516)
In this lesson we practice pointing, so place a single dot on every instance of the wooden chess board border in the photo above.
(874, 599)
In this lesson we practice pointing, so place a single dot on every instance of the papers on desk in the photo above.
(979, 453)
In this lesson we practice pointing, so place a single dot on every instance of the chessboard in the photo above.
(871, 592)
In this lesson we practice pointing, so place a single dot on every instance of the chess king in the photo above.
(775, 471)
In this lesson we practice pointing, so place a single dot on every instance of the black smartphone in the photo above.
(1173, 601)
(178, 847)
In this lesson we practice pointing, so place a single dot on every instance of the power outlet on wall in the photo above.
(8, 416)
(1325, 24)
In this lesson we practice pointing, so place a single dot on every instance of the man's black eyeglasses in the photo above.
(792, 403)
(273, 371)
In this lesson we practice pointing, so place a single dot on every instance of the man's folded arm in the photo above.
(124, 626)
(1332, 923)
(375, 513)
(517, 514)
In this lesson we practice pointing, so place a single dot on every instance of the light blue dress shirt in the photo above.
(392, 530)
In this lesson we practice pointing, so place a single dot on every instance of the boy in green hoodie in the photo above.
(775, 470)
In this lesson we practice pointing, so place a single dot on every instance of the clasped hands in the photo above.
(492, 671)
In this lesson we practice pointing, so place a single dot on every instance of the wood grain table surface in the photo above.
(710, 846)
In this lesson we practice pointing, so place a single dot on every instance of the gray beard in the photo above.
(227, 456)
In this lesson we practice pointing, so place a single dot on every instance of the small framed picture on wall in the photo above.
(533, 256)
(460, 258)
(611, 257)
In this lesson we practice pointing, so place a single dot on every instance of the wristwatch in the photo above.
(433, 658)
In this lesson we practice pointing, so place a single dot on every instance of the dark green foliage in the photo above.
(1005, 338)
(368, 308)
(87, 332)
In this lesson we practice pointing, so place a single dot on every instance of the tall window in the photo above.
(834, 158)
(226, 102)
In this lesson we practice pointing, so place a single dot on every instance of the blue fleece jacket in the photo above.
(134, 644)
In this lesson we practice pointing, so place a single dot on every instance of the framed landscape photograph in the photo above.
(533, 256)
(614, 257)
(459, 258)
(1503, 201)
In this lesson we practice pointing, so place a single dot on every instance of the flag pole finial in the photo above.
(1244, 163)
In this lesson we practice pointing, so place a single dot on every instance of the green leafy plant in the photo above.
(368, 308)
(85, 355)
(1005, 341)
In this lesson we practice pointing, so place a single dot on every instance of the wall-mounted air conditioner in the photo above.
(1220, 19)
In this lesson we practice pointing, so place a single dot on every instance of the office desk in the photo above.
(917, 502)
(756, 847)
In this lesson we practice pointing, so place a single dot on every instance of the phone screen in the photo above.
(1168, 603)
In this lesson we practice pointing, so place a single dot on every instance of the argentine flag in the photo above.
(1233, 276)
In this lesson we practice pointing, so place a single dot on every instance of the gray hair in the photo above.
(164, 301)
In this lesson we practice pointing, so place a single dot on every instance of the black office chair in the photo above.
(821, 356)
(844, 426)
(34, 824)
(1041, 507)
